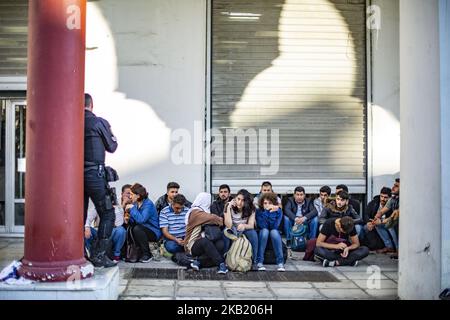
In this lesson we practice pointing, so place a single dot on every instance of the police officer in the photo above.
(98, 138)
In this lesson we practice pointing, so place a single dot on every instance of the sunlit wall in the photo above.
(145, 63)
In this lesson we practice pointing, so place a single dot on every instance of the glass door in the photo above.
(12, 166)
(19, 114)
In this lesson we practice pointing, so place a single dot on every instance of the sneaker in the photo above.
(289, 253)
(146, 259)
(328, 263)
(288, 244)
(222, 268)
(319, 258)
(116, 259)
(261, 267)
(281, 267)
(355, 263)
(195, 265)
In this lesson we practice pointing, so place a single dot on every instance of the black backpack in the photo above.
(269, 254)
(372, 240)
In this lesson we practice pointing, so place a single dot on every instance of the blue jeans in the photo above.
(172, 246)
(276, 243)
(359, 229)
(251, 235)
(313, 226)
(386, 234)
(118, 237)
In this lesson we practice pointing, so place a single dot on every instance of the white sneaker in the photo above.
(281, 267)
(327, 263)
(261, 267)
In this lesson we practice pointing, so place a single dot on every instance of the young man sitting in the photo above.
(299, 210)
(172, 224)
(218, 206)
(166, 199)
(266, 187)
(338, 244)
(353, 202)
(340, 208)
(321, 201)
(374, 229)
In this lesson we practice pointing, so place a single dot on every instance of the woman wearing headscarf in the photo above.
(196, 243)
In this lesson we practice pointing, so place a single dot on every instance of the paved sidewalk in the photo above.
(354, 282)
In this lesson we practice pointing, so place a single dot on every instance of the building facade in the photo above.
(316, 88)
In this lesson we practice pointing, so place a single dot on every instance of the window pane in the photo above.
(19, 214)
(20, 124)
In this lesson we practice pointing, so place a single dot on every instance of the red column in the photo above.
(55, 142)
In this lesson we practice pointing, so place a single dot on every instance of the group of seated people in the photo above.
(335, 226)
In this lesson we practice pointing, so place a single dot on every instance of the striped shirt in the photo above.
(173, 222)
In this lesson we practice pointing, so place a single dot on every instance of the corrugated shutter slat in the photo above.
(13, 38)
(298, 66)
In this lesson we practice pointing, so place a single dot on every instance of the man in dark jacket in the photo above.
(299, 210)
(98, 139)
(167, 198)
(373, 234)
(353, 202)
(339, 208)
(218, 206)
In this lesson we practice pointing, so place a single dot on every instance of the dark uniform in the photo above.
(98, 138)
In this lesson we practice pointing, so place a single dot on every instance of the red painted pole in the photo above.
(55, 142)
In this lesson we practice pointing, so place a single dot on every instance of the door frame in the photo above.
(10, 229)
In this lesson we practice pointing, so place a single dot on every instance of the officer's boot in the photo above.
(99, 256)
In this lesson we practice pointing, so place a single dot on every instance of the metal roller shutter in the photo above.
(299, 66)
(13, 38)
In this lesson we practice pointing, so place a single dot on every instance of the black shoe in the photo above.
(99, 258)
(146, 259)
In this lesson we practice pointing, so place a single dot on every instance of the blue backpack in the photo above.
(299, 238)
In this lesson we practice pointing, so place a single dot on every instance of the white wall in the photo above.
(146, 71)
(386, 97)
(420, 243)
(445, 137)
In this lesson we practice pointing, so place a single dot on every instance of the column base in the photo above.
(103, 286)
(56, 272)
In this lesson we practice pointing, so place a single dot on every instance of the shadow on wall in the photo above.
(157, 60)
(134, 122)
(308, 62)
(317, 86)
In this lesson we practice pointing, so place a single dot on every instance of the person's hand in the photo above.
(300, 220)
(126, 217)
(241, 227)
(87, 232)
(341, 246)
(377, 222)
(344, 254)
(126, 202)
(233, 203)
(274, 208)
(128, 207)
